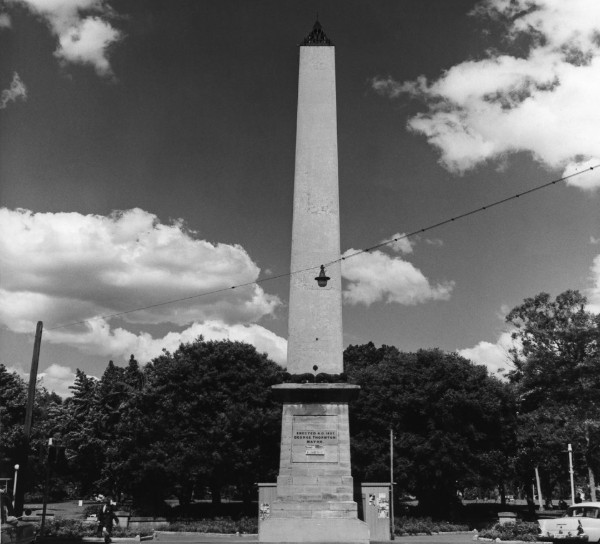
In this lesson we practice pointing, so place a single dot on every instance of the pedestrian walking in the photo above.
(106, 516)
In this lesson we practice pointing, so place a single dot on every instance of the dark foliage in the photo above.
(557, 380)
(205, 418)
(453, 424)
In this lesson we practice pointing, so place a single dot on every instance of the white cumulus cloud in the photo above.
(589, 180)
(375, 276)
(99, 339)
(494, 356)
(86, 43)
(5, 21)
(542, 101)
(17, 90)
(401, 244)
(58, 378)
(82, 28)
(594, 293)
(63, 268)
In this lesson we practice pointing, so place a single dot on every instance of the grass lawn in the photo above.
(66, 509)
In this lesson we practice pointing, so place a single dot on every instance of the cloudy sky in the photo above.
(147, 155)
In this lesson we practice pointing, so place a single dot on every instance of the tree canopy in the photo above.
(204, 417)
(557, 381)
(203, 420)
(453, 424)
(46, 417)
(557, 353)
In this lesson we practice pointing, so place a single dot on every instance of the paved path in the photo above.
(448, 538)
(212, 538)
(442, 538)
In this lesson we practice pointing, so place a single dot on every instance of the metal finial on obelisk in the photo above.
(317, 36)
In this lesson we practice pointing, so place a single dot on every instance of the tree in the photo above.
(81, 434)
(559, 349)
(117, 395)
(542, 436)
(93, 430)
(48, 417)
(13, 447)
(13, 400)
(453, 423)
(557, 377)
(205, 417)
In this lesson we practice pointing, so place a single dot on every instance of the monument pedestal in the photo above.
(314, 488)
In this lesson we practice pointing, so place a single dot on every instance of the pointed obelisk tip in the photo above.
(317, 36)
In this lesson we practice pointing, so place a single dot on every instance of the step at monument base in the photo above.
(314, 529)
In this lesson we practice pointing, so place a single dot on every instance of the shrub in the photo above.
(68, 528)
(91, 509)
(521, 530)
(409, 525)
(216, 525)
(74, 528)
(130, 531)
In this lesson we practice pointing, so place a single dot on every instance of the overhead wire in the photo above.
(341, 258)
(461, 216)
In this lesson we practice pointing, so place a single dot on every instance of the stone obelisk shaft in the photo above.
(315, 313)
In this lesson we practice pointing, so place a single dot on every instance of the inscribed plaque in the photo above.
(315, 439)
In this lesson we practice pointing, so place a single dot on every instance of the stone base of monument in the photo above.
(315, 487)
(314, 530)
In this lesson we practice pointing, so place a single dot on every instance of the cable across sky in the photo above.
(317, 266)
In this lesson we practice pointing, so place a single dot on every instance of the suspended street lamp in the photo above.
(322, 278)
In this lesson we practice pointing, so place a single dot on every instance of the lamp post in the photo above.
(46, 486)
(570, 451)
(15, 482)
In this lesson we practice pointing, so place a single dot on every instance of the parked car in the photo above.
(581, 522)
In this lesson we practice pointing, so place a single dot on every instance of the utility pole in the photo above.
(539, 489)
(33, 379)
(392, 536)
(570, 450)
(20, 489)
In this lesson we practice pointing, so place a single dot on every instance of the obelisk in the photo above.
(315, 313)
(315, 487)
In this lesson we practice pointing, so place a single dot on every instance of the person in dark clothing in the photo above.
(6, 505)
(106, 516)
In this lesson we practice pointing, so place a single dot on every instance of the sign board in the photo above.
(376, 510)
